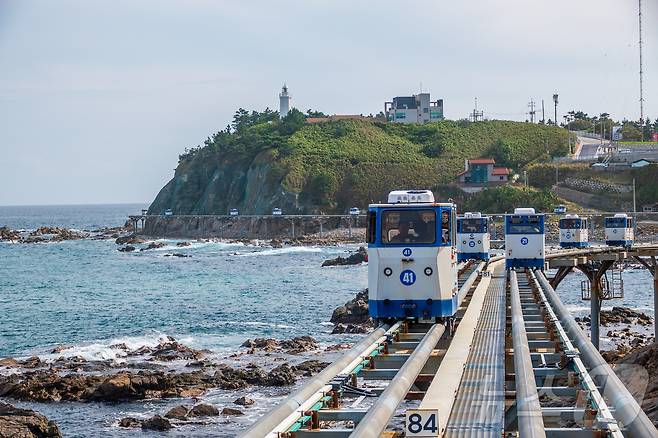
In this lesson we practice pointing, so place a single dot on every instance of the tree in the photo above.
(311, 113)
(503, 152)
(292, 122)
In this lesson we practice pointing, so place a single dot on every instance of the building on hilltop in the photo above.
(480, 173)
(284, 102)
(414, 109)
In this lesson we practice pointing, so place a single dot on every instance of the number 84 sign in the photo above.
(422, 423)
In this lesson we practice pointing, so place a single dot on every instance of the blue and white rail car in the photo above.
(574, 232)
(473, 240)
(412, 263)
(619, 230)
(525, 242)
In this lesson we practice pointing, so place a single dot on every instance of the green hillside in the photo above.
(261, 162)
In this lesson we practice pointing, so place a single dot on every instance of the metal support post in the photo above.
(655, 301)
(595, 313)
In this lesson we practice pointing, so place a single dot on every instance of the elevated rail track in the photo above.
(516, 363)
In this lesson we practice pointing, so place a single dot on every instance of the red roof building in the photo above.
(483, 172)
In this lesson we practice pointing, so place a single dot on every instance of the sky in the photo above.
(98, 98)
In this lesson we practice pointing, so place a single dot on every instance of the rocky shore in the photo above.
(25, 423)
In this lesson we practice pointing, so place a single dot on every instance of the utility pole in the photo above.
(555, 96)
(532, 112)
(543, 114)
(634, 204)
(476, 115)
(641, 72)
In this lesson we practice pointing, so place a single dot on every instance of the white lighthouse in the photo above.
(284, 102)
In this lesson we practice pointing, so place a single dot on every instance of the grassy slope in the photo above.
(335, 165)
(369, 159)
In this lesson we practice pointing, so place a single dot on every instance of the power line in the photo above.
(532, 112)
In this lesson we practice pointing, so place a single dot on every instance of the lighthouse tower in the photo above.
(284, 102)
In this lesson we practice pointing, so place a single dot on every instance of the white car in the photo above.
(276, 212)
(233, 212)
(168, 212)
(355, 211)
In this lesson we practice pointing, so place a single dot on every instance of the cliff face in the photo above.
(330, 167)
(206, 185)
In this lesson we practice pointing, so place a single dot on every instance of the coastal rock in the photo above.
(349, 328)
(203, 410)
(354, 311)
(276, 243)
(624, 315)
(243, 401)
(356, 258)
(173, 350)
(283, 375)
(182, 244)
(178, 412)
(57, 234)
(310, 367)
(127, 248)
(292, 346)
(9, 362)
(232, 411)
(639, 372)
(178, 254)
(131, 239)
(156, 423)
(153, 245)
(9, 234)
(25, 423)
(130, 422)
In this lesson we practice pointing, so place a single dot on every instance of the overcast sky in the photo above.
(98, 98)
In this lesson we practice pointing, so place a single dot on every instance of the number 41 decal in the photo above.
(422, 422)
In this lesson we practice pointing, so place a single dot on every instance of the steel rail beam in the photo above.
(289, 410)
(528, 409)
(626, 409)
(378, 416)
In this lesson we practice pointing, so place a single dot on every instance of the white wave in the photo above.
(101, 350)
(279, 251)
(577, 308)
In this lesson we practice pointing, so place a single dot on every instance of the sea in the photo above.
(87, 296)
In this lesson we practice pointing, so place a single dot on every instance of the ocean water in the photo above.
(88, 296)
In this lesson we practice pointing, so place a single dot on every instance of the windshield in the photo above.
(408, 226)
(525, 225)
(570, 224)
(472, 226)
(616, 222)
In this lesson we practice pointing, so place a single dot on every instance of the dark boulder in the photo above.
(153, 245)
(355, 311)
(156, 423)
(178, 412)
(243, 401)
(356, 258)
(130, 240)
(130, 422)
(25, 423)
(127, 248)
(232, 411)
(283, 375)
(203, 410)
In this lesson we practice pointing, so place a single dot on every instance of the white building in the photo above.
(414, 109)
(284, 102)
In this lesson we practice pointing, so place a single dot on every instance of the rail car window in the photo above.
(524, 225)
(616, 222)
(570, 224)
(372, 227)
(408, 226)
(467, 226)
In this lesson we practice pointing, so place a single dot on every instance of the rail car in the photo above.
(525, 241)
(473, 240)
(574, 231)
(619, 230)
(412, 263)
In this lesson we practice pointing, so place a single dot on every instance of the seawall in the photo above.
(242, 227)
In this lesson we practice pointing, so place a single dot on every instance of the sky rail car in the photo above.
(525, 241)
(619, 230)
(574, 232)
(473, 241)
(412, 263)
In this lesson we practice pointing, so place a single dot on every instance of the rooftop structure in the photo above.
(414, 109)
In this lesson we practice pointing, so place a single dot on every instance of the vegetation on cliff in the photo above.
(259, 161)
